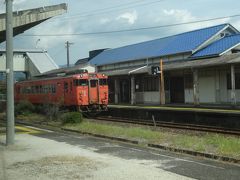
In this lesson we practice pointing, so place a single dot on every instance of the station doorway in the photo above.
(124, 91)
(177, 89)
(111, 90)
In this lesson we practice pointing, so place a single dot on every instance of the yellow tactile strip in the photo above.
(210, 110)
(27, 130)
(24, 130)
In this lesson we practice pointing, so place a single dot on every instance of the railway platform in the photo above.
(216, 116)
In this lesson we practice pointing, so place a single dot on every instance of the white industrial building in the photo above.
(30, 62)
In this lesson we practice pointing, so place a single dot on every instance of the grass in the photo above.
(39, 118)
(208, 143)
(33, 117)
(117, 131)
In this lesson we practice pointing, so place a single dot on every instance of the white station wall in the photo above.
(212, 88)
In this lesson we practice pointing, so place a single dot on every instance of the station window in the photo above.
(237, 81)
(188, 81)
(151, 83)
(139, 82)
(103, 82)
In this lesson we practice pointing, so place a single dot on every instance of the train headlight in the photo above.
(103, 75)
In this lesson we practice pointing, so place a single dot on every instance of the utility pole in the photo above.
(10, 76)
(68, 57)
(162, 89)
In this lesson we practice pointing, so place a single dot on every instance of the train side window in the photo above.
(71, 84)
(103, 82)
(75, 82)
(49, 88)
(45, 89)
(40, 89)
(66, 87)
(93, 83)
(37, 89)
(18, 90)
(28, 90)
(32, 90)
(53, 88)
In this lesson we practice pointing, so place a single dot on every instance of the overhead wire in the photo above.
(138, 29)
(106, 10)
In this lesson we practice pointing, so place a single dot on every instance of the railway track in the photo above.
(171, 125)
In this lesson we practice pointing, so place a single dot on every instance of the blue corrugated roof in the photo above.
(185, 42)
(219, 46)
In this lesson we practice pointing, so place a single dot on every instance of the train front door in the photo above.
(93, 92)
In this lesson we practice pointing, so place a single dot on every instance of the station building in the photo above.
(200, 67)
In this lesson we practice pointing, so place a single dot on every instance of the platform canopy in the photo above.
(26, 19)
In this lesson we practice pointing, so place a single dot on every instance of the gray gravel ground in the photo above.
(42, 159)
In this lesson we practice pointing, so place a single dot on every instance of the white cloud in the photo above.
(130, 17)
(179, 15)
(104, 20)
(182, 16)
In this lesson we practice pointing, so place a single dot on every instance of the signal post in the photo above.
(155, 70)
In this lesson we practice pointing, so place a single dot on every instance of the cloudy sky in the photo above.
(87, 16)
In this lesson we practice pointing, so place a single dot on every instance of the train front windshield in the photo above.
(80, 82)
(103, 82)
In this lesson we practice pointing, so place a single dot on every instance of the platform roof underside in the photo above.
(26, 19)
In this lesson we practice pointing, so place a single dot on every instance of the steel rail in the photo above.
(191, 127)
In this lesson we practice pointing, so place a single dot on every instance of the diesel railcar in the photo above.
(84, 92)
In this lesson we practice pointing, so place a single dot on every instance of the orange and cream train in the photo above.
(83, 92)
